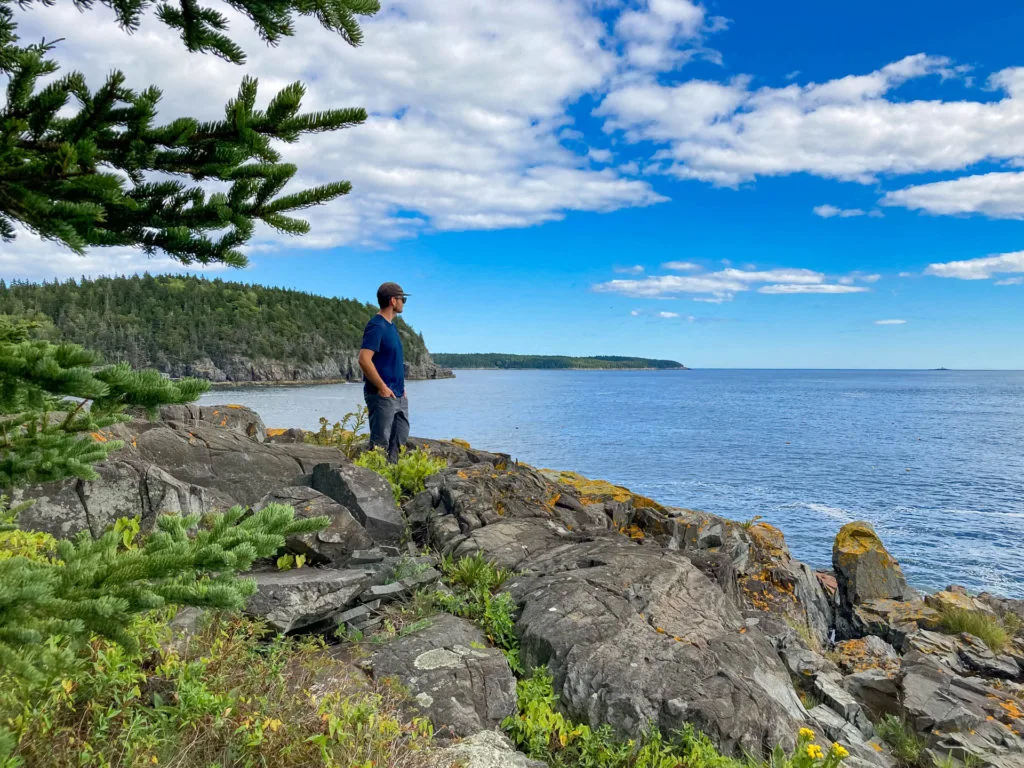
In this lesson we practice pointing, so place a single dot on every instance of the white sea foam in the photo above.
(834, 513)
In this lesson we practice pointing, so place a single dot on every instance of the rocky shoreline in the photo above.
(642, 613)
(243, 371)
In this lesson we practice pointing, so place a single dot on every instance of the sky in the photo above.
(726, 184)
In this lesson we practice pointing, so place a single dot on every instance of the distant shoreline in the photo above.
(618, 368)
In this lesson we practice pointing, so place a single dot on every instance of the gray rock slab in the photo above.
(305, 599)
(457, 681)
(487, 749)
(335, 544)
(366, 494)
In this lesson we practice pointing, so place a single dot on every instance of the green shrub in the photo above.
(475, 583)
(982, 625)
(907, 747)
(346, 435)
(407, 475)
(224, 697)
(544, 733)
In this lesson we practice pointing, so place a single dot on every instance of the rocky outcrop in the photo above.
(487, 749)
(456, 680)
(342, 367)
(365, 493)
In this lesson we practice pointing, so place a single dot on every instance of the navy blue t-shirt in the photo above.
(381, 337)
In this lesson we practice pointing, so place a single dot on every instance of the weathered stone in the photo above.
(829, 689)
(894, 620)
(459, 454)
(458, 682)
(487, 749)
(980, 658)
(291, 435)
(384, 591)
(864, 568)
(875, 690)
(956, 599)
(333, 545)
(870, 652)
(373, 555)
(864, 751)
(366, 494)
(237, 418)
(305, 599)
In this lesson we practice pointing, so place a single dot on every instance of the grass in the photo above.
(982, 625)
(907, 747)
(224, 698)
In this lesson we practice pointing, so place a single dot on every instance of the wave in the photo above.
(835, 513)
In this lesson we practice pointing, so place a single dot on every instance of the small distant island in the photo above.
(500, 361)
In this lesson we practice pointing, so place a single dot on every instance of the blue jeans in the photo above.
(389, 423)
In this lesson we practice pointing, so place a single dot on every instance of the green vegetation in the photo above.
(406, 476)
(515, 362)
(474, 584)
(87, 167)
(543, 732)
(988, 628)
(347, 435)
(223, 697)
(169, 322)
(907, 747)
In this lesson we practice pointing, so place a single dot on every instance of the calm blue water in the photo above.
(935, 460)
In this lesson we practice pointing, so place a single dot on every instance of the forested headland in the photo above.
(215, 329)
(501, 361)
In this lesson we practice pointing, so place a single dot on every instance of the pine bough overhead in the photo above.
(94, 168)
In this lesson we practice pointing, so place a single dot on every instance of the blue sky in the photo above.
(726, 184)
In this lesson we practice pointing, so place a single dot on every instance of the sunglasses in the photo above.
(403, 298)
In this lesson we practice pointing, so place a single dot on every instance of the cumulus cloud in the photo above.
(680, 266)
(668, 315)
(635, 313)
(830, 211)
(979, 269)
(998, 195)
(636, 269)
(720, 286)
(1011, 281)
(851, 128)
(890, 322)
(468, 109)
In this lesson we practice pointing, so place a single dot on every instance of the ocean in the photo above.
(933, 459)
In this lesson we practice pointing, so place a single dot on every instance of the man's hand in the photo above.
(385, 391)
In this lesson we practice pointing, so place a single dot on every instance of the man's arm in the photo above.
(371, 375)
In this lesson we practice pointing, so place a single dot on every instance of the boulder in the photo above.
(366, 494)
(306, 599)
(333, 545)
(125, 488)
(861, 654)
(456, 680)
(864, 568)
(979, 658)
(237, 418)
(893, 620)
(959, 600)
(487, 749)
(875, 690)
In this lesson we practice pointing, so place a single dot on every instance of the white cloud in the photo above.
(468, 107)
(600, 155)
(661, 35)
(712, 299)
(890, 322)
(636, 269)
(668, 315)
(821, 288)
(37, 259)
(635, 312)
(979, 269)
(1011, 281)
(829, 211)
(851, 128)
(996, 195)
(722, 285)
(680, 266)
(906, 274)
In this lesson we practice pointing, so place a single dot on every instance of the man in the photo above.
(383, 365)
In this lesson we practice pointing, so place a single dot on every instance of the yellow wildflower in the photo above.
(840, 751)
(813, 750)
(153, 759)
(806, 733)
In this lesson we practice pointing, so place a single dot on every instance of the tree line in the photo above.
(517, 362)
(167, 320)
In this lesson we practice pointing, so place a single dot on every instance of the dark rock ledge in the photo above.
(643, 613)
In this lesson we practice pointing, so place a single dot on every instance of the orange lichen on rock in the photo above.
(598, 491)
(275, 431)
(461, 443)
(236, 406)
(857, 538)
(99, 437)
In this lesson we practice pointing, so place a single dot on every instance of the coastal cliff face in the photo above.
(642, 613)
(344, 367)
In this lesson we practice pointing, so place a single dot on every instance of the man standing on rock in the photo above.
(383, 364)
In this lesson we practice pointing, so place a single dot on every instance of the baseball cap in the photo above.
(387, 290)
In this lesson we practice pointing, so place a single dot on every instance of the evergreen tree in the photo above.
(93, 167)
